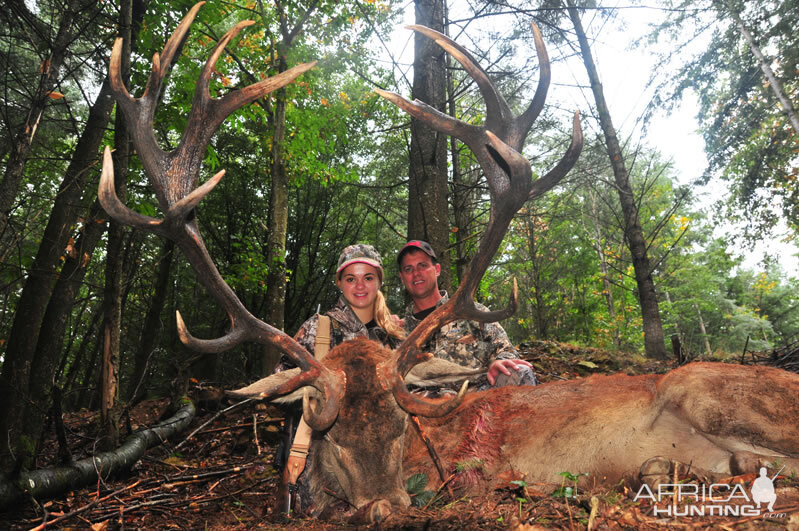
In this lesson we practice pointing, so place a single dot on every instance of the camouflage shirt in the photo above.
(468, 343)
(344, 325)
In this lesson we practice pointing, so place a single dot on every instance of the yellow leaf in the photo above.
(175, 461)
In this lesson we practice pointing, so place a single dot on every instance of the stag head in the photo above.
(360, 383)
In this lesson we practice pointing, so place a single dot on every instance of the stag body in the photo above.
(722, 419)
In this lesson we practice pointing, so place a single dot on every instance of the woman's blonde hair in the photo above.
(385, 320)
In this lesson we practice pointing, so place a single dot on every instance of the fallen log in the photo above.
(51, 482)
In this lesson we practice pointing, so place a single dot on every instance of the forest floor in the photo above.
(222, 478)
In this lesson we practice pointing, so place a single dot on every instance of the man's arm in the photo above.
(505, 357)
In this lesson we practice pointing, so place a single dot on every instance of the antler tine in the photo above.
(174, 177)
(439, 121)
(216, 52)
(497, 145)
(107, 195)
(528, 117)
(209, 346)
(162, 64)
(553, 176)
(497, 110)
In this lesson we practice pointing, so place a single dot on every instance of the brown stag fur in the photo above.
(715, 417)
(359, 457)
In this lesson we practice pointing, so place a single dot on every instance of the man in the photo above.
(468, 343)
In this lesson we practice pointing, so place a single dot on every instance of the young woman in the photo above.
(360, 311)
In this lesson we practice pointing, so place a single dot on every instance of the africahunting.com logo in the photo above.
(718, 499)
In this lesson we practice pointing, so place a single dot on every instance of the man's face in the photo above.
(419, 274)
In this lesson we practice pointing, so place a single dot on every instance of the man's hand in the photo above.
(504, 367)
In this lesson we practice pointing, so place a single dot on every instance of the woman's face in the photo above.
(359, 283)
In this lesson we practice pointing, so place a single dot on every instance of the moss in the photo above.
(25, 450)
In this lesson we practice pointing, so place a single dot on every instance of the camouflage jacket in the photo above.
(344, 325)
(468, 343)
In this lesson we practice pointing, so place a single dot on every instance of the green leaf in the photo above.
(416, 484)
(563, 492)
(422, 499)
(589, 364)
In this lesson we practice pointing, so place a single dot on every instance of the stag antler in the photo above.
(174, 176)
(497, 145)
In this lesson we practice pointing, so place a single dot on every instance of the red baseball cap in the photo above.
(417, 244)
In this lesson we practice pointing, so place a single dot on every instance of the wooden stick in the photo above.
(431, 449)
(85, 507)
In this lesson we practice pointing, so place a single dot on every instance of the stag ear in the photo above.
(436, 372)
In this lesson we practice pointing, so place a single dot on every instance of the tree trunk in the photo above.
(654, 341)
(51, 482)
(702, 329)
(279, 198)
(462, 192)
(50, 346)
(152, 323)
(68, 380)
(539, 310)
(87, 398)
(24, 334)
(427, 186)
(774, 82)
(278, 223)
(23, 138)
(112, 294)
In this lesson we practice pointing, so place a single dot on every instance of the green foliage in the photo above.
(469, 464)
(345, 155)
(415, 487)
(749, 141)
(568, 491)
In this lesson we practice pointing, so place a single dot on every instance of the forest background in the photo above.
(326, 162)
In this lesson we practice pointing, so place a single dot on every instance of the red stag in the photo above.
(718, 417)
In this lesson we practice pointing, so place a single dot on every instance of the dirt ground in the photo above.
(222, 478)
